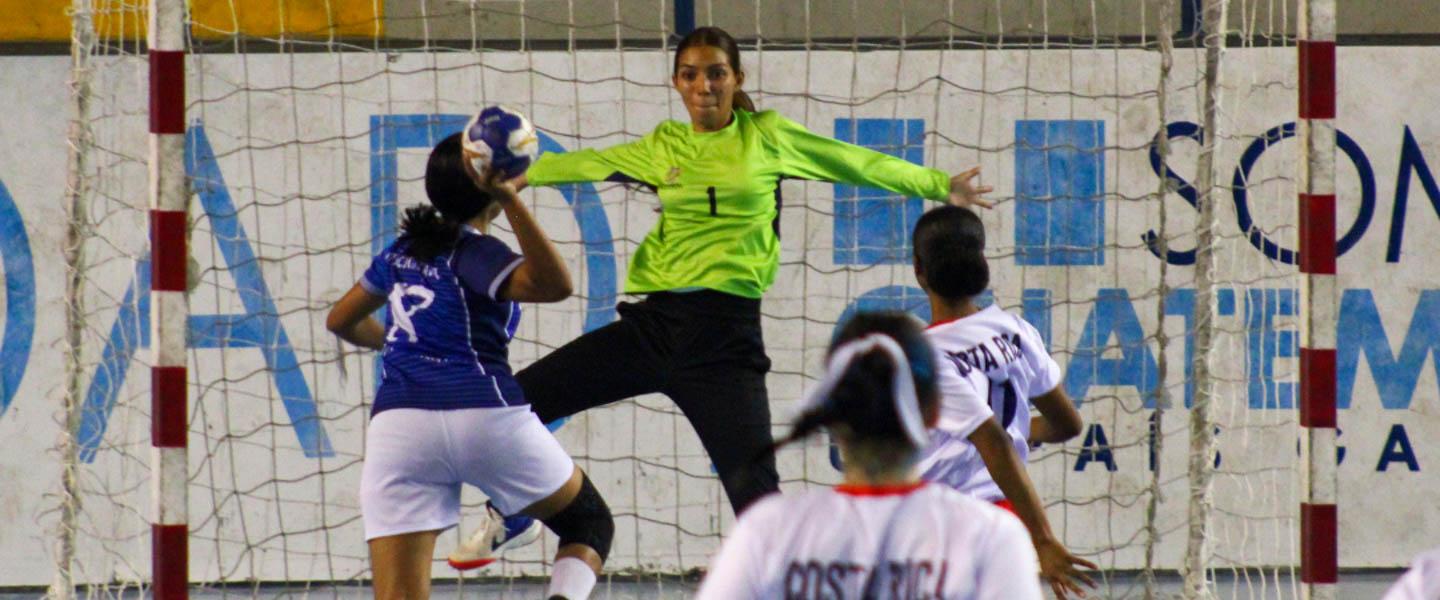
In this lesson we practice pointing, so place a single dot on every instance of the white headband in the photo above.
(907, 404)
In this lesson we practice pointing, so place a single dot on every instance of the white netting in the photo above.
(309, 129)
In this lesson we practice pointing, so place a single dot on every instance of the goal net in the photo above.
(307, 129)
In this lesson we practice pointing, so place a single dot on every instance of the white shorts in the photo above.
(416, 459)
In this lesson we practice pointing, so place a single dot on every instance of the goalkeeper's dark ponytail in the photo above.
(742, 101)
(432, 230)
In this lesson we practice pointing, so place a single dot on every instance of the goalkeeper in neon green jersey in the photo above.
(704, 267)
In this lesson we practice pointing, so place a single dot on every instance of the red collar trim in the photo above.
(939, 323)
(947, 321)
(879, 490)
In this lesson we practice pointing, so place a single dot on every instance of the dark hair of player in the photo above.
(950, 252)
(715, 37)
(863, 401)
(432, 229)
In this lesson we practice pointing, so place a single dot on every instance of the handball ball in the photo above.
(500, 138)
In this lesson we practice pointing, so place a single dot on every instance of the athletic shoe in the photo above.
(497, 534)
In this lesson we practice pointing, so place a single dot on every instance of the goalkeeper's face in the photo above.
(707, 82)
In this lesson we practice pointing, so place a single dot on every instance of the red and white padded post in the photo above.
(1319, 555)
(169, 313)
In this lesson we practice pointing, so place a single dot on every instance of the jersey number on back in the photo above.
(1004, 400)
(420, 298)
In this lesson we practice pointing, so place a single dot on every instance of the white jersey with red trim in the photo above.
(930, 542)
(1015, 367)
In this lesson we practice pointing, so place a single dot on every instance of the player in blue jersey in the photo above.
(448, 410)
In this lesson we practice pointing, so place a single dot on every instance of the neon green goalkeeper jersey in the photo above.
(720, 194)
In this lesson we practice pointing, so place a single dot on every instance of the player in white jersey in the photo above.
(982, 441)
(1421, 582)
(883, 533)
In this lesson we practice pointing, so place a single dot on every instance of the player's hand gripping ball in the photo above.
(500, 138)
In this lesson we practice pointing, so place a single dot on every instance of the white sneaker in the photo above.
(497, 534)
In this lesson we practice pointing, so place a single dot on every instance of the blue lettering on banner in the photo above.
(1181, 303)
(1112, 316)
(1240, 194)
(1096, 448)
(1412, 162)
(1397, 449)
(1364, 333)
(872, 226)
(1240, 182)
(258, 327)
(1035, 309)
(389, 133)
(1060, 192)
(130, 331)
(1113, 326)
(1187, 130)
(19, 299)
(1266, 344)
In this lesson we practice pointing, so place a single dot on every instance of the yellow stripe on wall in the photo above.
(34, 20)
(49, 20)
(301, 18)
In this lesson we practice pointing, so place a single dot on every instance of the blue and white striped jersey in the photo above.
(446, 334)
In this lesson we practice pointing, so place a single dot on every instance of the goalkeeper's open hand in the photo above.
(964, 192)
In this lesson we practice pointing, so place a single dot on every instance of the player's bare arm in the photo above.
(1058, 420)
(1056, 563)
(543, 277)
(351, 319)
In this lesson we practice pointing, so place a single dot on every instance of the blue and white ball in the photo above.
(500, 138)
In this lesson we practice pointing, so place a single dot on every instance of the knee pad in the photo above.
(586, 520)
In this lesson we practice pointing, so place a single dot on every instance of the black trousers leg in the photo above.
(722, 392)
(620, 360)
(732, 419)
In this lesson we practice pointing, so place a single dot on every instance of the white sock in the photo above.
(571, 579)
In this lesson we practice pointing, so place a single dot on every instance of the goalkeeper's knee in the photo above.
(586, 520)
